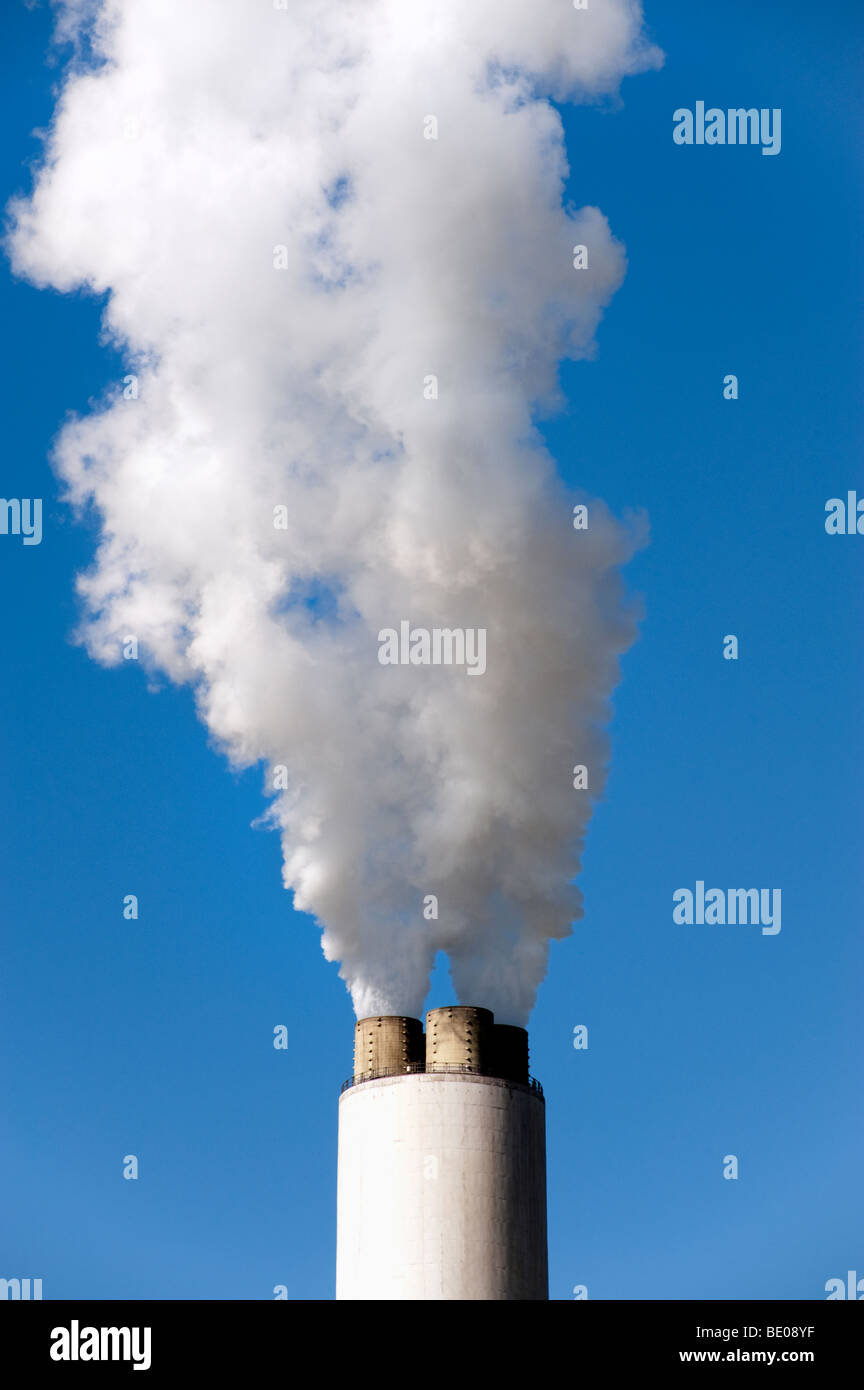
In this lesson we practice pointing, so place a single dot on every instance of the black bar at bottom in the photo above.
(209, 1341)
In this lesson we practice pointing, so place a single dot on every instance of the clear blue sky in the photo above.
(155, 1037)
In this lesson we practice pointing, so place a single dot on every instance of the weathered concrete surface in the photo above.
(441, 1190)
(387, 1043)
(459, 1035)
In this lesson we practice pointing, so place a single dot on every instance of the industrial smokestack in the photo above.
(384, 1046)
(442, 1164)
(458, 1037)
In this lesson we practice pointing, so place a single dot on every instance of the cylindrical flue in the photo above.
(387, 1045)
(509, 1052)
(458, 1037)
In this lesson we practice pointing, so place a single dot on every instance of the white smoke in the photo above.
(189, 141)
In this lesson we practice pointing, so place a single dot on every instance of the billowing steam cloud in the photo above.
(301, 216)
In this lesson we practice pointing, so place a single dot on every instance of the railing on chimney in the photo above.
(414, 1067)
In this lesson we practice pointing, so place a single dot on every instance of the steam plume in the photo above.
(288, 256)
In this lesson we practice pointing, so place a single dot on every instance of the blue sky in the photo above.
(155, 1037)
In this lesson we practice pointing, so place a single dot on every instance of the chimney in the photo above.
(442, 1163)
(458, 1037)
(386, 1046)
(509, 1048)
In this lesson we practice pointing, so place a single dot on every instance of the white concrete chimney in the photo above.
(442, 1163)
